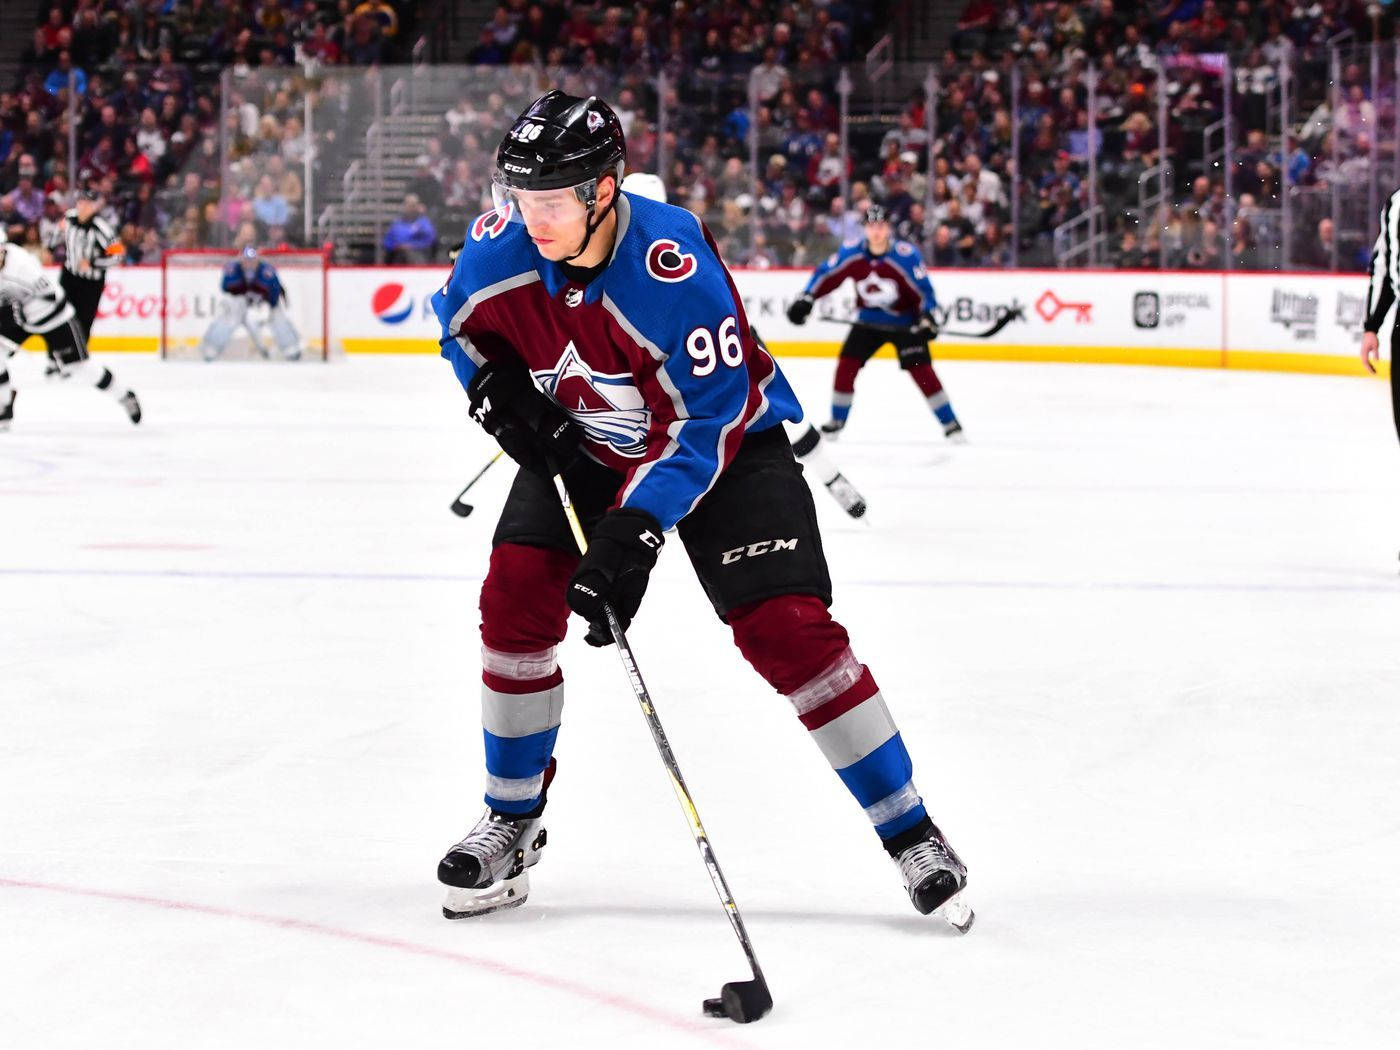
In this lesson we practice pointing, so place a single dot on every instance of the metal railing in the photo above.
(780, 177)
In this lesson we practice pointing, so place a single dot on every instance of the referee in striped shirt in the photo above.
(1385, 280)
(90, 248)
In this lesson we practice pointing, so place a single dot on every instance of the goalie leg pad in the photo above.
(285, 332)
(231, 314)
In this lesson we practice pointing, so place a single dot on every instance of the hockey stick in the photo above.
(460, 506)
(1002, 322)
(740, 1001)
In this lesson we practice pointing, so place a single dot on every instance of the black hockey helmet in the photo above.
(876, 213)
(561, 142)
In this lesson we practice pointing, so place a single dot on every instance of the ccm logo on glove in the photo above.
(753, 550)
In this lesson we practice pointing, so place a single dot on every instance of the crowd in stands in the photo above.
(679, 76)
(736, 104)
(769, 69)
(124, 96)
(1179, 44)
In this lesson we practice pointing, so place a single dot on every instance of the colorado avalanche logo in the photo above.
(876, 291)
(609, 408)
(595, 121)
(666, 262)
(492, 223)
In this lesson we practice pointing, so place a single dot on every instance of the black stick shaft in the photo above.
(1005, 320)
(663, 748)
(489, 464)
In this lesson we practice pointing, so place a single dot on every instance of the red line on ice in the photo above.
(699, 1030)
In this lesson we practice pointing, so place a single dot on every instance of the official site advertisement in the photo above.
(1294, 322)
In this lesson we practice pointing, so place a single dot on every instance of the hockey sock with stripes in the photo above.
(844, 391)
(806, 655)
(926, 379)
(522, 686)
(846, 715)
(522, 700)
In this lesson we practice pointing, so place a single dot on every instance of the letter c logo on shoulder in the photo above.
(492, 223)
(666, 262)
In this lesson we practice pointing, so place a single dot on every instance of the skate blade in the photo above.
(466, 904)
(956, 913)
(957, 438)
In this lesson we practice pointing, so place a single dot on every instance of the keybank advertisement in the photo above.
(1309, 322)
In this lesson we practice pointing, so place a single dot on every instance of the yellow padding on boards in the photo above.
(1177, 357)
(107, 344)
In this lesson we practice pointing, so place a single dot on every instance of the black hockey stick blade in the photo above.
(460, 506)
(1005, 319)
(741, 1001)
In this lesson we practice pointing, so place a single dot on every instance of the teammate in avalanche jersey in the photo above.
(807, 443)
(599, 333)
(896, 305)
(247, 281)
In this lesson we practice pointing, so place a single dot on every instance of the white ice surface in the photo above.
(1142, 636)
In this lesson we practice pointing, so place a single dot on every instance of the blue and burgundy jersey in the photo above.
(263, 282)
(891, 289)
(652, 359)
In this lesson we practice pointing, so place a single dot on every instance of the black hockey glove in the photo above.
(926, 328)
(532, 429)
(621, 554)
(798, 311)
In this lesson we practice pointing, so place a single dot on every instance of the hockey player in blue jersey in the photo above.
(246, 283)
(599, 334)
(896, 304)
(807, 443)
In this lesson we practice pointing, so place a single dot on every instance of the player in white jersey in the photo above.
(32, 304)
(807, 443)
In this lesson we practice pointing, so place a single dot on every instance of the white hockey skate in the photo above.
(489, 869)
(954, 432)
(852, 502)
(935, 877)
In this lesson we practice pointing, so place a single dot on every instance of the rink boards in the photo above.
(1304, 322)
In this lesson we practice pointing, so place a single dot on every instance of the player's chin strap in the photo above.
(590, 226)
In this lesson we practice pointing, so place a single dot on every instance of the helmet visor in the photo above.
(541, 208)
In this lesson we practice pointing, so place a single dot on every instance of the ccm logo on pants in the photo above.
(753, 550)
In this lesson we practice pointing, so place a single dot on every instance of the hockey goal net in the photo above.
(190, 289)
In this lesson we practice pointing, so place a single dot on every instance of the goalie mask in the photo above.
(550, 161)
